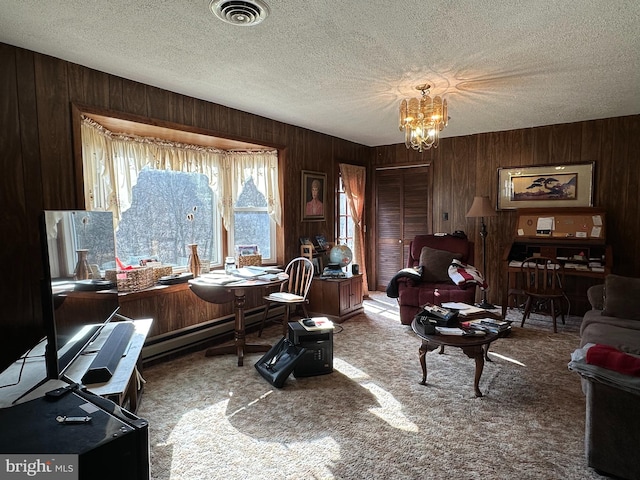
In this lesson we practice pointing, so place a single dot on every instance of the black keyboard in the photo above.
(104, 365)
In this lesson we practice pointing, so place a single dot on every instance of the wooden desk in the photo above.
(553, 248)
(203, 287)
(560, 233)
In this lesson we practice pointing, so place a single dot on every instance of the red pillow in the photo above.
(608, 357)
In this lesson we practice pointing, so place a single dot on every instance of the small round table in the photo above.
(472, 346)
(231, 292)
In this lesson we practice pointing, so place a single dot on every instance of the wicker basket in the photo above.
(161, 272)
(131, 280)
(249, 260)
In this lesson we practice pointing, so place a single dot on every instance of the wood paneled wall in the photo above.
(463, 167)
(39, 171)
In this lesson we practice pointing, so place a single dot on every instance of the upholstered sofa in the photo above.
(612, 427)
(434, 253)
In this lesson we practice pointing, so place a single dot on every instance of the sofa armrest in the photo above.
(595, 294)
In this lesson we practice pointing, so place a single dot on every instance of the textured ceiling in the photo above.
(342, 67)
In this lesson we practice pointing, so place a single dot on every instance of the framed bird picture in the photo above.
(546, 186)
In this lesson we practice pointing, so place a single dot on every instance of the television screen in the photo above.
(78, 246)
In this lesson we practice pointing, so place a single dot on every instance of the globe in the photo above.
(340, 255)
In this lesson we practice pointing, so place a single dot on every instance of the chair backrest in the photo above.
(300, 271)
(542, 276)
(439, 242)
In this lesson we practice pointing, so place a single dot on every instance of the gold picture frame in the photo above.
(547, 186)
(314, 196)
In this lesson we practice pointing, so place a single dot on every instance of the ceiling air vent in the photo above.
(244, 13)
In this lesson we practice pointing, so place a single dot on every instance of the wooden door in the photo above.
(403, 210)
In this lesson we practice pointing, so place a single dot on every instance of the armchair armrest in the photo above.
(595, 294)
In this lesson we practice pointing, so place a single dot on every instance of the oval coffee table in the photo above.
(472, 346)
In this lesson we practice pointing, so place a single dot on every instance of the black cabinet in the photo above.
(112, 443)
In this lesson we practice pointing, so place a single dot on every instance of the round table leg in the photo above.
(239, 325)
(479, 368)
(476, 353)
(422, 352)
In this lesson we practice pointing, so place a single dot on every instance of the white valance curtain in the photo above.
(237, 167)
(112, 163)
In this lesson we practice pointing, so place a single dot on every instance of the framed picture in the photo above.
(314, 196)
(546, 186)
(322, 242)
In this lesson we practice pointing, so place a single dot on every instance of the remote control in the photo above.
(58, 392)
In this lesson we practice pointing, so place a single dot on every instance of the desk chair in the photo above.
(543, 284)
(292, 292)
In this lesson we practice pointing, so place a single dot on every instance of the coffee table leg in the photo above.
(476, 353)
(422, 352)
(479, 368)
(486, 352)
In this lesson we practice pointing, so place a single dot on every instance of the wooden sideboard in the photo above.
(173, 308)
(336, 298)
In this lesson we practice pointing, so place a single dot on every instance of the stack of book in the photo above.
(489, 325)
(595, 265)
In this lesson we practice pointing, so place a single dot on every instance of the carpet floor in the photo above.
(370, 418)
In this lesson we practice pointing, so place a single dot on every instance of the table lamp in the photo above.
(480, 208)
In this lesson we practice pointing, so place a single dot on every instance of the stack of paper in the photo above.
(287, 297)
(246, 272)
(316, 323)
(450, 331)
(463, 308)
(219, 279)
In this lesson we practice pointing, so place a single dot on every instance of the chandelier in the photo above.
(422, 119)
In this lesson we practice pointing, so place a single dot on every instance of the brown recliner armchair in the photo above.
(441, 249)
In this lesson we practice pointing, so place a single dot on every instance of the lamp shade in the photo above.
(481, 207)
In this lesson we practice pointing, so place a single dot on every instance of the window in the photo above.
(345, 222)
(165, 195)
(169, 210)
(252, 224)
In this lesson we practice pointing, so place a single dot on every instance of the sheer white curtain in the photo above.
(112, 163)
(262, 167)
(354, 181)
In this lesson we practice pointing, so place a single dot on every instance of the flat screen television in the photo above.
(77, 247)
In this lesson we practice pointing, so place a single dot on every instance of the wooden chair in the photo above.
(543, 284)
(292, 292)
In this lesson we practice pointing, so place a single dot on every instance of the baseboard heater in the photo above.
(189, 337)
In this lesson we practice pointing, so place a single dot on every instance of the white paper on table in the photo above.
(464, 308)
(595, 232)
(450, 331)
(597, 220)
